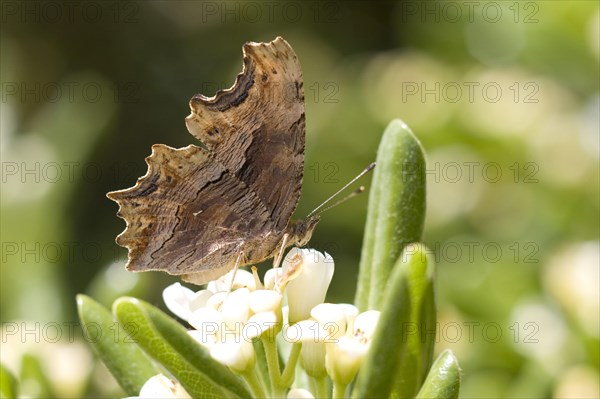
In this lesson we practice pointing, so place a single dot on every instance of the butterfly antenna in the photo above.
(347, 197)
(360, 190)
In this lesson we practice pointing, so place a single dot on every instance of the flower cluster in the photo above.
(162, 387)
(237, 310)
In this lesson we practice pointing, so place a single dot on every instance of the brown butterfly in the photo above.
(197, 209)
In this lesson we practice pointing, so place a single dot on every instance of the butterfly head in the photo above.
(301, 230)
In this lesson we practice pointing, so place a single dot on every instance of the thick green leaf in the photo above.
(9, 387)
(396, 211)
(168, 343)
(176, 335)
(443, 381)
(401, 349)
(418, 267)
(125, 360)
(375, 378)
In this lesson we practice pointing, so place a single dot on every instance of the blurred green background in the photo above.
(503, 95)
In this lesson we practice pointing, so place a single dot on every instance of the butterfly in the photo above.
(201, 210)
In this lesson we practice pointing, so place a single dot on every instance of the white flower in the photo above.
(207, 322)
(232, 312)
(229, 321)
(332, 318)
(243, 279)
(334, 340)
(220, 326)
(312, 273)
(237, 354)
(235, 309)
(344, 357)
(267, 317)
(297, 393)
(182, 301)
(313, 336)
(161, 387)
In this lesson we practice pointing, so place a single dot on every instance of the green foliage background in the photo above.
(513, 193)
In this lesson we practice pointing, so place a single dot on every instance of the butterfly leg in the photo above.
(277, 259)
(235, 269)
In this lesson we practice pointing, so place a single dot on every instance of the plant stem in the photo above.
(321, 387)
(256, 386)
(287, 377)
(313, 384)
(277, 387)
(339, 390)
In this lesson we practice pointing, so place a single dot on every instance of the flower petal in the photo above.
(343, 359)
(312, 358)
(297, 393)
(177, 298)
(161, 387)
(366, 322)
(305, 331)
(271, 275)
(243, 279)
(331, 317)
(235, 309)
(207, 320)
(265, 301)
(310, 285)
(238, 354)
(199, 299)
(259, 324)
(216, 300)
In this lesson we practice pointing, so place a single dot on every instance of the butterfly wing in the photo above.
(187, 212)
(194, 209)
(256, 128)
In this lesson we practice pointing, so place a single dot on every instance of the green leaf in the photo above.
(9, 387)
(396, 211)
(418, 267)
(399, 355)
(33, 380)
(377, 371)
(126, 361)
(443, 381)
(168, 343)
(176, 335)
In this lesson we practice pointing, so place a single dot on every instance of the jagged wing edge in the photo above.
(240, 76)
(123, 202)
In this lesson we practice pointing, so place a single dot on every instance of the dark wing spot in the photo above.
(214, 132)
(297, 84)
(148, 190)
